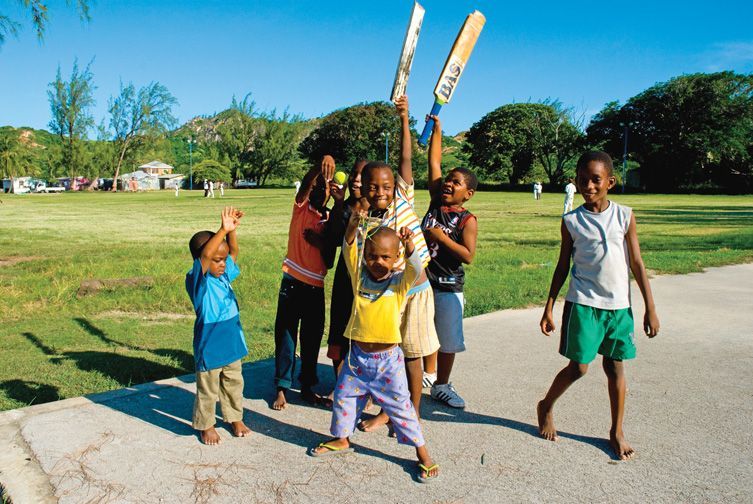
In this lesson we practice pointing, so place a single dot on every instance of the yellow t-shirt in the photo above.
(377, 304)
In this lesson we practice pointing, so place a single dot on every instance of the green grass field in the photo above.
(56, 345)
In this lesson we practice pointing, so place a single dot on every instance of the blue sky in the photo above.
(314, 57)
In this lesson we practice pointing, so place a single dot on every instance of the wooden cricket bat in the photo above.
(409, 50)
(453, 67)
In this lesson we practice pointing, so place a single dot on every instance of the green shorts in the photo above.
(587, 331)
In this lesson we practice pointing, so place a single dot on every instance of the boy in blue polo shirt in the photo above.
(218, 340)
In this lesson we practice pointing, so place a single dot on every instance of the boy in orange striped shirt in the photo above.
(301, 297)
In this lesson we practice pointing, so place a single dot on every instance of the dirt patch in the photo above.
(10, 261)
(89, 287)
(148, 317)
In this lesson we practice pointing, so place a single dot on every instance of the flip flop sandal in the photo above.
(330, 450)
(424, 469)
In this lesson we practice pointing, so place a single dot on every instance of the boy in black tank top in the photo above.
(450, 231)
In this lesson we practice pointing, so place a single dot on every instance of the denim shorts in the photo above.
(448, 319)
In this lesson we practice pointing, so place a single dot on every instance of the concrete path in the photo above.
(689, 415)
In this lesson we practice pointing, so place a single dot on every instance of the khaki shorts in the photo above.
(417, 325)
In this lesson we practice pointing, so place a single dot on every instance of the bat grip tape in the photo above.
(429, 125)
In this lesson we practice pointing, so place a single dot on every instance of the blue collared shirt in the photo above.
(218, 338)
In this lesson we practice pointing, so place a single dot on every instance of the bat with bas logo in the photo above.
(453, 67)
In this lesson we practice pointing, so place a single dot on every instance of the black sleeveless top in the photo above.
(445, 271)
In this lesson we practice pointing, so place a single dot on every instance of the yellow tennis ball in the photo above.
(340, 178)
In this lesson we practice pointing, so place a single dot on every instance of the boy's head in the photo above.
(319, 193)
(459, 186)
(354, 179)
(378, 184)
(216, 262)
(380, 252)
(594, 175)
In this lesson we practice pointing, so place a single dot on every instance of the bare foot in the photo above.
(546, 423)
(620, 446)
(337, 443)
(210, 437)
(373, 423)
(280, 403)
(240, 429)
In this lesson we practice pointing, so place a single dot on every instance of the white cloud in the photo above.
(730, 56)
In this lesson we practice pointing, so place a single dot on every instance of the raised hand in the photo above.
(328, 167)
(406, 237)
(336, 191)
(437, 128)
(401, 104)
(230, 219)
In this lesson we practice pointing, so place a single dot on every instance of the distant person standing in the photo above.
(211, 188)
(297, 184)
(177, 189)
(206, 188)
(569, 195)
(222, 189)
(537, 188)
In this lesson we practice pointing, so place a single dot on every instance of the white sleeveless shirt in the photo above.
(600, 276)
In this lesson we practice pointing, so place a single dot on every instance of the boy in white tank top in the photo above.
(600, 237)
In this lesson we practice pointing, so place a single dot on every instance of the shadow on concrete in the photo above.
(436, 413)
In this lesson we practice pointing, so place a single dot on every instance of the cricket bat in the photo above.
(409, 50)
(453, 67)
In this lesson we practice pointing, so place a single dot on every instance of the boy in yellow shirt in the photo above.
(375, 365)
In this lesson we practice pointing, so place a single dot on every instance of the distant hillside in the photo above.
(30, 137)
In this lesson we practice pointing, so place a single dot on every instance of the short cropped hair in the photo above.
(471, 182)
(197, 242)
(595, 157)
(384, 231)
(370, 167)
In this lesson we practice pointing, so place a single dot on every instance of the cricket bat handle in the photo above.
(429, 125)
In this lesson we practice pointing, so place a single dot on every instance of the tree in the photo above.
(70, 103)
(38, 11)
(137, 115)
(211, 170)
(690, 131)
(498, 145)
(506, 142)
(14, 159)
(237, 130)
(356, 132)
(557, 138)
(274, 152)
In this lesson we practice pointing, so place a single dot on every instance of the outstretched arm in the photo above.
(435, 159)
(326, 168)
(650, 319)
(463, 251)
(558, 280)
(406, 166)
(355, 218)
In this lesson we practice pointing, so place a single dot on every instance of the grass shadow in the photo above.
(30, 392)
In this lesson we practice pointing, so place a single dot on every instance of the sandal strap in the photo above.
(427, 469)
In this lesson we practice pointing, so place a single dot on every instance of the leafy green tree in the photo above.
(137, 117)
(557, 138)
(14, 157)
(356, 132)
(275, 151)
(70, 104)
(692, 130)
(237, 129)
(210, 170)
(506, 142)
(38, 11)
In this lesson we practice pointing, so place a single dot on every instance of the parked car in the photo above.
(244, 184)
